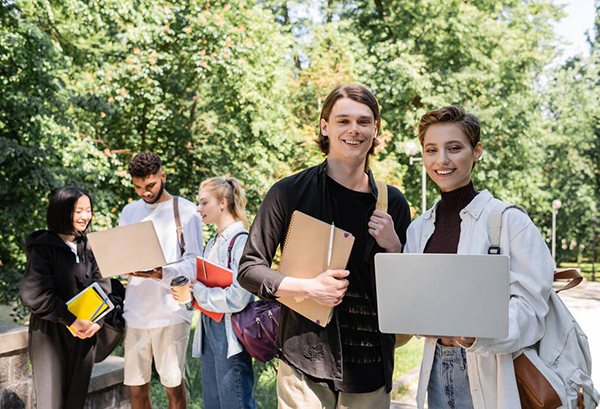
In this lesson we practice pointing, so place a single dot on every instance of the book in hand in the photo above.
(305, 254)
(90, 304)
(212, 275)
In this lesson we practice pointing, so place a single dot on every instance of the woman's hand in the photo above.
(190, 286)
(85, 328)
(381, 227)
(465, 342)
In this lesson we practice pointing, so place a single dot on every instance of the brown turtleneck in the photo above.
(447, 220)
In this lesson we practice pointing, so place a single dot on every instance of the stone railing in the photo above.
(106, 390)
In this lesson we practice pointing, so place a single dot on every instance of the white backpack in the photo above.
(563, 353)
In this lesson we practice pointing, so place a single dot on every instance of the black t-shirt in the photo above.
(362, 368)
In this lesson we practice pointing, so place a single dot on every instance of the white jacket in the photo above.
(490, 361)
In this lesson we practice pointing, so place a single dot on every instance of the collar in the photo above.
(323, 178)
(474, 208)
(231, 230)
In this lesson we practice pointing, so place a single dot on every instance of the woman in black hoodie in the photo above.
(60, 265)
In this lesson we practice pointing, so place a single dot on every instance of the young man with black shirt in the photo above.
(349, 363)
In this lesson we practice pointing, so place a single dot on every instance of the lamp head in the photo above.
(411, 148)
(556, 204)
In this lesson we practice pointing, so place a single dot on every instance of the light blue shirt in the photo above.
(227, 300)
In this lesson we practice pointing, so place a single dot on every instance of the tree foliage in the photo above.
(235, 87)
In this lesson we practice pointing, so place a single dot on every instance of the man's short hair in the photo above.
(452, 114)
(59, 215)
(144, 164)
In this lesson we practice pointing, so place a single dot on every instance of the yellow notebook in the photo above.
(90, 304)
(305, 254)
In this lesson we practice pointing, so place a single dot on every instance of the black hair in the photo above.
(59, 216)
(144, 164)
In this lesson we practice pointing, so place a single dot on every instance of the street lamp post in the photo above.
(411, 148)
(594, 249)
(556, 204)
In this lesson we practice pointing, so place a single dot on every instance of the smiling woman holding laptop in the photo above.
(464, 372)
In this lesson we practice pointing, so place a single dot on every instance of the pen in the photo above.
(204, 268)
(330, 244)
(96, 312)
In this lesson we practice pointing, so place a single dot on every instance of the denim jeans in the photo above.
(449, 381)
(226, 383)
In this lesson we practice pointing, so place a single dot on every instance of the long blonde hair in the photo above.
(230, 189)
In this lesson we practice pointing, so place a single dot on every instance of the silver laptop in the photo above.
(443, 294)
(127, 249)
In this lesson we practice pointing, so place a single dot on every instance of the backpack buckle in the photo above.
(494, 250)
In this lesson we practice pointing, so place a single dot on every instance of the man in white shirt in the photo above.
(156, 326)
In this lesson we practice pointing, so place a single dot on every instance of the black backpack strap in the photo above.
(231, 243)
(180, 240)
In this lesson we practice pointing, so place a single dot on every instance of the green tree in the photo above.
(41, 147)
(572, 168)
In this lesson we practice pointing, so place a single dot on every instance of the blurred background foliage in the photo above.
(235, 87)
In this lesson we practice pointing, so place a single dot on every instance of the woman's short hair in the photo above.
(356, 93)
(59, 216)
(454, 114)
(144, 164)
(230, 189)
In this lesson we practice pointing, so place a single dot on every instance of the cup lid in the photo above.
(180, 280)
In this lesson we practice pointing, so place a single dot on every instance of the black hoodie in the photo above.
(53, 275)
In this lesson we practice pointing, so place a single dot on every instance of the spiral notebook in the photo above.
(212, 275)
(305, 253)
(90, 304)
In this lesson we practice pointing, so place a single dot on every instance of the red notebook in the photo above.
(212, 275)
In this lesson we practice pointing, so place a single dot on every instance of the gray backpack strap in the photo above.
(495, 224)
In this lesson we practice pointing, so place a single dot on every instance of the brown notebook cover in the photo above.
(304, 255)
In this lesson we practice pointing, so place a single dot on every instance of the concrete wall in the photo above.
(106, 389)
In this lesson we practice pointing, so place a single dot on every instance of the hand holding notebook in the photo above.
(312, 247)
(91, 304)
(212, 275)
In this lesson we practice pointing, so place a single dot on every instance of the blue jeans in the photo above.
(449, 381)
(226, 383)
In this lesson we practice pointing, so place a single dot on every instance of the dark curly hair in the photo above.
(144, 164)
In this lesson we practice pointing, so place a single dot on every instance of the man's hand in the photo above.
(381, 227)
(329, 287)
(155, 273)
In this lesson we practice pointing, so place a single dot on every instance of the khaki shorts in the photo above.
(294, 390)
(167, 345)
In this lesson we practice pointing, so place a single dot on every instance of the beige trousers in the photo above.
(294, 390)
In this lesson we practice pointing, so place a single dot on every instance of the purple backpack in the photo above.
(256, 326)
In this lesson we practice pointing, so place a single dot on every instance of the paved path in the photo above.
(583, 302)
